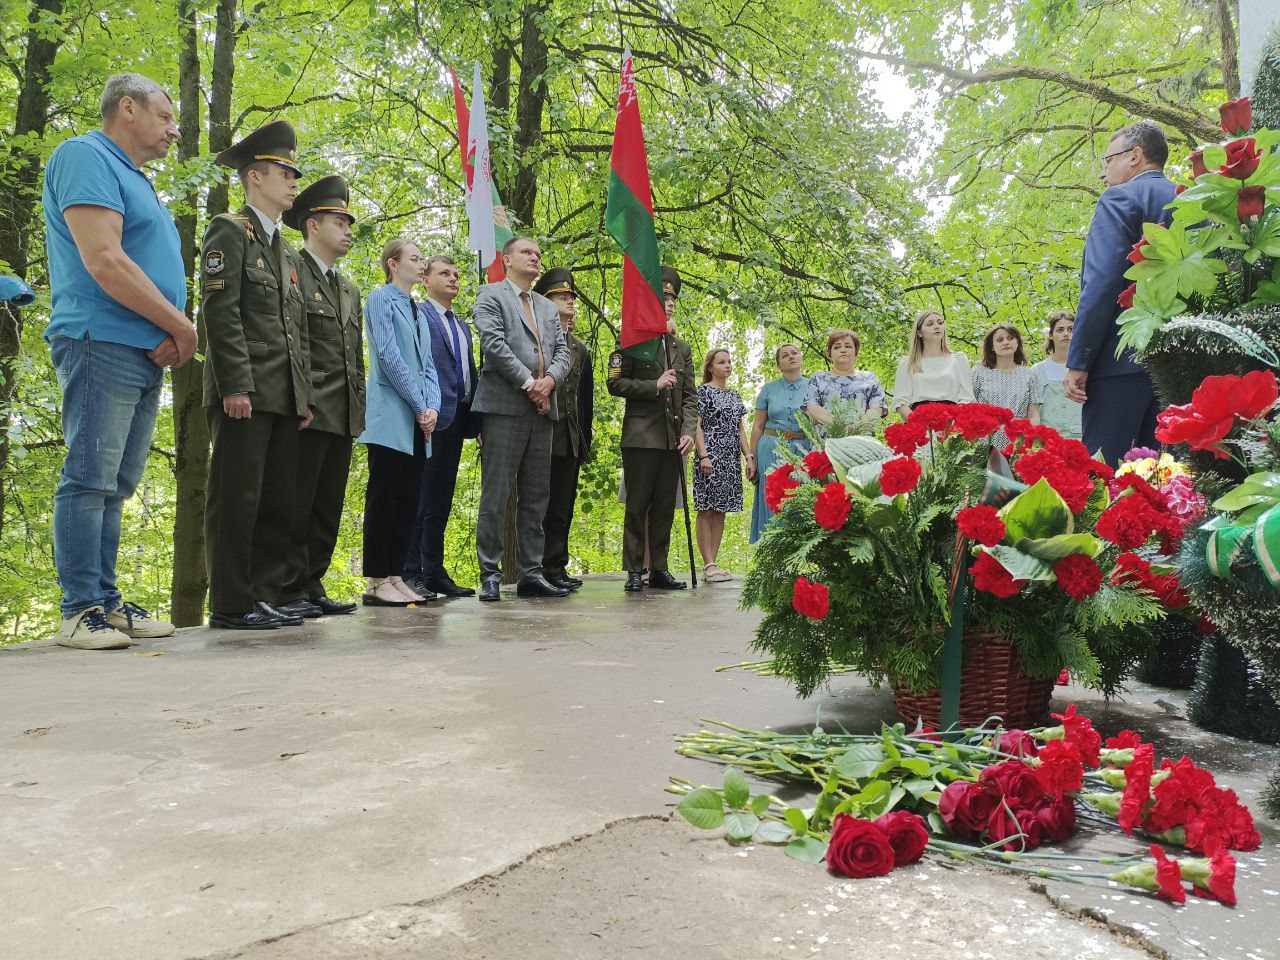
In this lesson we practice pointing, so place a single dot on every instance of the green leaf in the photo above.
(759, 805)
(808, 849)
(736, 791)
(1052, 549)
(858, 769)
(741, 826)
(771, 831)
(1255, 488)
(796, 820)
(936, 823)
(780, 761)
(1037, 512)
(703, 808)
(917, 765)
(1021, 566)
(918, 788)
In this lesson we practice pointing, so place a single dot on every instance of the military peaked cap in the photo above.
(556, 280)
(277, 142)
(670, 281)
(327, 195)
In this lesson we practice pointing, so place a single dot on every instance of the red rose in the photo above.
(1137, 788)
(813, 600)
(965, 806)
(905, 438)
(1057, 818)
(1168, 877)
(831, 509)
(1251, 202)
(907, 835)
(981, 524)
(899, 476)
(1236, 116)
(932, 416)
(1126, 296)
(1197, 164)
(1135, 255)
(1124, 740)
(1019, 743)
(990, 575)
(1016, 782)
(778, 486)
(859, 848)
(1004, 824)
(1078, 576)
(1059, 769)
(818, 465)
(1242, 159)
(1078, 731)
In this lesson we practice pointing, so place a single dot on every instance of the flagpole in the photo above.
(684, 491)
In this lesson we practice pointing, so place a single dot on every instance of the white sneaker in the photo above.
(131, 620)
(90, 630)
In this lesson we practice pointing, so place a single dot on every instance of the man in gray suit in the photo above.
(525, 358)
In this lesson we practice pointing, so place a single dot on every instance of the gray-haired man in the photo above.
(119, 286)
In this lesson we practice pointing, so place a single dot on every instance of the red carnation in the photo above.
(1135, 255)
(899, 476)
(1124, 740)
(982, 524)
(1251, 202)
(1129, 522)
(991, 576)
(818, 465)
(811, 599)
(965, 806)
(1242, 159)
(1236, 116)
(859, 848)
(908, 835)
(1016, 782)
(932, 416)
(1078, 576)
(905, 438)
(1059, 769)
(1078, 731)
(1126, 296)
(832, 506)
(1168, 877)
(1220, 884)
(975, 421)
(779, 485)
(1137, 789)
(1198, 168)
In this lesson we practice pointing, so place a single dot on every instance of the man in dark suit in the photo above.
(525, 359)
(257, 384)
(424, 570)
(571, 436)
(1119, 400)
(335, 324)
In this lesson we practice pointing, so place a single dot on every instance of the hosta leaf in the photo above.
(1039, 511)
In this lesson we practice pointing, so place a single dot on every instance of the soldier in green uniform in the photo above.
(335, 326)
(571, 436)
(657, 431)
(257, 384)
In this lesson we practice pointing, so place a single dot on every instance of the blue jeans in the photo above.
(110, 397)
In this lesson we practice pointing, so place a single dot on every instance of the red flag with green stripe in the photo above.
(628, 217)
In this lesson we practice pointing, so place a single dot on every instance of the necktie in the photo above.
(458, 361)
(533, 326)
(332, 276)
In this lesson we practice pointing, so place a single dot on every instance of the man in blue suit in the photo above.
(424, 568)
(1119, 401)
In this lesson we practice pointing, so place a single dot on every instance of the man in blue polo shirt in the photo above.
(119, 288)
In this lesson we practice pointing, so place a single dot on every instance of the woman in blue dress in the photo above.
(844, 381)
(775, 423)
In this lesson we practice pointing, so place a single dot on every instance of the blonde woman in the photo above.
(931, 372)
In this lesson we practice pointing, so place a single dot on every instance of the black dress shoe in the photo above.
(447, 588)
(301, 608)
(662, 580)
(539, 587)
(573, 582)
(333, 607)
(242, 621)
(635, 583)
(489, 588)
(283, 619)
(563, 582)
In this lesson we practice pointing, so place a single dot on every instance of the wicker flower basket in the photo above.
(991, 684)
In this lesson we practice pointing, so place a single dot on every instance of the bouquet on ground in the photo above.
(991, 795)
(873, 537)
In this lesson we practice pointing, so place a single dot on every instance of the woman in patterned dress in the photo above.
(720, 441)
(844, 380)
(1003, 379)
(775, 425)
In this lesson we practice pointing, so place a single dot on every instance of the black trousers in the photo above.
(559, 518)
(652, 478)
(249, 510)
(390, 503)
(435, 502)
(324, 462)
(1119, 415)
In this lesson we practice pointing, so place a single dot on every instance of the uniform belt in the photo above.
(786, 434)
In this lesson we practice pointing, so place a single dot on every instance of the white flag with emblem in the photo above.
(480, 189)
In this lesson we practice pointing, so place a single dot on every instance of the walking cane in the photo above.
(684, 493)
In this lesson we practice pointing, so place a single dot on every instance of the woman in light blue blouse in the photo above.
(844, 380)
(403, 401)
(775, 423)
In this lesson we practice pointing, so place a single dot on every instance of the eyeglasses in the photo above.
(1107, 159)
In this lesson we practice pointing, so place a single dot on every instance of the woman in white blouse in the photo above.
(931, 372)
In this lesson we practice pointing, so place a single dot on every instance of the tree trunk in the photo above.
(19, 197)
(190, 430)
(1230, 51)
(531, 101)
(224, 49)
